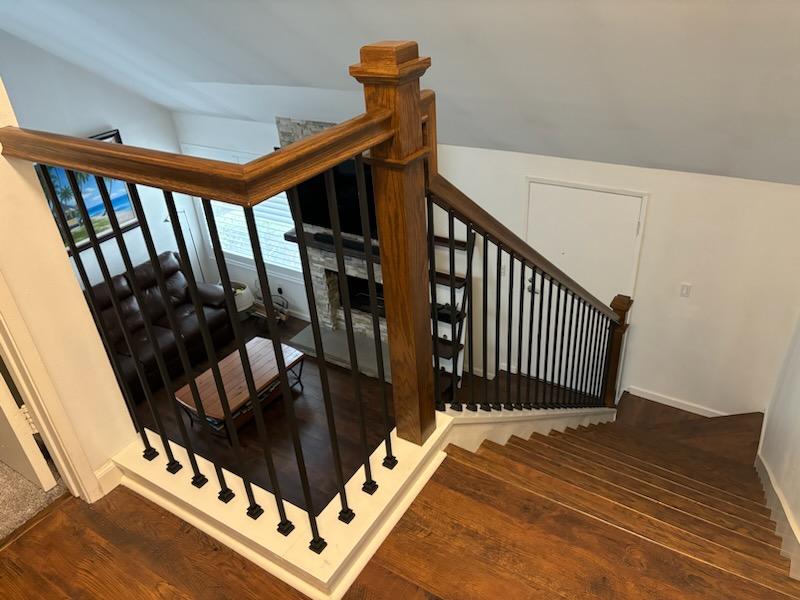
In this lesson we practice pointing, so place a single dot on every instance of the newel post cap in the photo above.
(390, 62)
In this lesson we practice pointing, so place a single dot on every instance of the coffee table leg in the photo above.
(298, 377)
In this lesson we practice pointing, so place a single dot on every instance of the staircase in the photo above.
(606, 511)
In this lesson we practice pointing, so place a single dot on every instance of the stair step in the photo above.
(446, 349)
(444, 279)
(506, 463)
(711, 469)
(598, 448)
(644, 498)
(740, 519)
(441, 240)
(445, 313)
(528, 546)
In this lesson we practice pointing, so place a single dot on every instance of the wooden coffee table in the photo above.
(265, 375)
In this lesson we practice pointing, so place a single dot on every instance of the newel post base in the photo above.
(390, 73)
(621, 305)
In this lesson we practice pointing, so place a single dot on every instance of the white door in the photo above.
(18, 448)
(593, 235)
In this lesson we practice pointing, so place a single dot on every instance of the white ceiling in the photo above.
(698, 85)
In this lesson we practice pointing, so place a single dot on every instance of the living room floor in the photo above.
(311, 420)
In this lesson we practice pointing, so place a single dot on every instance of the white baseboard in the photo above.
(788, 527)
(469, 429)
(691, 407)
(108, 476)
(350, 546)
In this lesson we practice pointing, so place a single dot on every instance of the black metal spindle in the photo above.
(606, 366)
(149, 452)
(198, 480)
(346, 514)
(173, 466)
(370, 485)
(568, 397)
(596, 377)
(553, 400)
(593, 359)
(548, 380)
(485, 404)
(562, 296)
(520, 327)
(455, 404)
(539, 397)
(509, 348)
(579, 349)
(389, 460)
(210, 350)
(531, 308)
(496, 404)
(317, 543)
(437, 377)
(470, 345)
(588, 358)
(285, 526)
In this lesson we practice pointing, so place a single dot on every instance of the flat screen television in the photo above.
(314, 203)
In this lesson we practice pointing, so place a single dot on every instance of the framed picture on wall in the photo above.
(58, 190)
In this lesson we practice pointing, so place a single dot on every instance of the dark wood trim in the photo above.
(484, 223)
(621, 305)
(390, 73)
(246, 185)
(427, 102)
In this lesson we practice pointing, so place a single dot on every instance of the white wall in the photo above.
(735, 240)
(50, 94)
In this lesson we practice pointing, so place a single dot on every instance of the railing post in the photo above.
(428, 106)
(621, 305)
(390, 73)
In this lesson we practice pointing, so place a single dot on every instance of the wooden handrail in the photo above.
(246, 185)
(485, 223)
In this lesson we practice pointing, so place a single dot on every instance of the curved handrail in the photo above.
(246, 185)
(484, 223)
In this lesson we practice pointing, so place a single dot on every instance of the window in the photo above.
(273, 219)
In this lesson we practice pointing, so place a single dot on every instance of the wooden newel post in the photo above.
(621, 305)
(390, 73)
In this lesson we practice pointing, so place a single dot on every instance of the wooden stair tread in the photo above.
(674, 476)
(504, 463)
(446, 348)
(732, 515)
(637, 496)
(725, 475)
(441, 240)
(528, 546)
(442, 278)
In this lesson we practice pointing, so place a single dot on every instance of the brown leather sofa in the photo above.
(211, 296)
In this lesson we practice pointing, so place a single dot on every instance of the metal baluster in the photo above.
(208, 344)
(370, 485)
(547, 380)
(497, 405)
(285, 526)
(346, 514)
(606, 374)
(317, 543)
(199, 480)
(588, 357)
(437, 376)
(471, 405)
(528, 404)
(149, 452)
(520, 326)
(485, 404)
(508, 404)
(597, 372)
(579, 351)
(455, 404)
(539, 398)
(390, 460)
(570, 358)
(562, 295)
(553, 372)
(173, 466)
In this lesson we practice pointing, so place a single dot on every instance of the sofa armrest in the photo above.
(211, 294)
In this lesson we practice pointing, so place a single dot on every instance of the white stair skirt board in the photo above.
(786, 525)
(350, 546)
(469, 429)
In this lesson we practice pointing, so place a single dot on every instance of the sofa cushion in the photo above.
(188, 323)
(130, 308)
(143, 349)
(177, 288)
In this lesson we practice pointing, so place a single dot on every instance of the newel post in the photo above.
(390, 73)
(621, 305)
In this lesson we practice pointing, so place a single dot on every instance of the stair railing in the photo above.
(544, 340)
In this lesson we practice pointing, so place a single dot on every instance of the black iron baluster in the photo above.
(539, 397)
(285, 526)
(346, 514)
(208, 344)
(528, 404)
(576, 368)
(562, 295)
(199, 480)
(149, 452)
(520, 326)
(588, 358)
(548, 382)
(455, 404)
(552, 400)
(568, 398)
(485, 404)
(370, 485)
(497, 405)
(317, 543)
(509, 349)
(471, 405)
(597, 375)
(173, 466)
(437, 375)
(390, 460)
(609, 335)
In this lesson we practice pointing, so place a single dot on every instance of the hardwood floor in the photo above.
(312, 424)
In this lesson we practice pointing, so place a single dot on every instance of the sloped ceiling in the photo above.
(710, 86)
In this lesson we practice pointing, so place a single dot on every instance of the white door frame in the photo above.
(637, 252)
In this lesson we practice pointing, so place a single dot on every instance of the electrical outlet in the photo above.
(686, 290)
